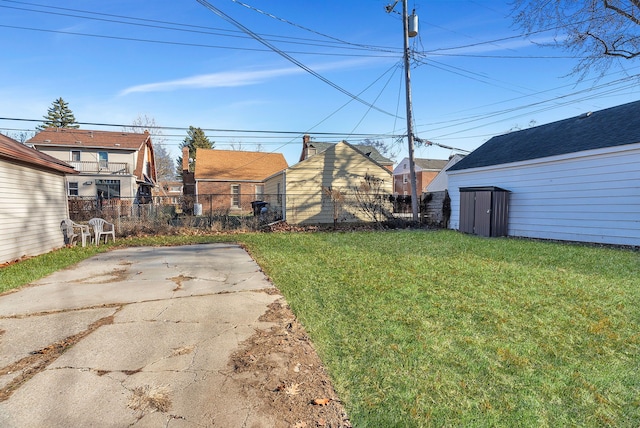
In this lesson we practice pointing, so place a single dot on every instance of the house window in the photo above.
(75, 155)
(404, 165)
(405, 179)
(235, 196)
(108, 188)
(259, 192)
(103, 160)
(73, 188)
(279, 195)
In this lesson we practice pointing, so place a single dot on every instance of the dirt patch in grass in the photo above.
(280, 371)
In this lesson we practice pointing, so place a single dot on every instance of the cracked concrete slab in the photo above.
(140, 274)
(134, 337)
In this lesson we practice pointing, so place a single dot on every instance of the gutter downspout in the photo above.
(284, 195)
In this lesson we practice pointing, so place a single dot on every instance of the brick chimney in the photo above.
(188, 178)
(306, 139)
(185, 158)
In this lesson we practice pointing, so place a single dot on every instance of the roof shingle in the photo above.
(233, 165)
(615, 126)
(87, 138)
(11, 149)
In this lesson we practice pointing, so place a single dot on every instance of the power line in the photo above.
(185, 128)
(198, 29)
(287, 56)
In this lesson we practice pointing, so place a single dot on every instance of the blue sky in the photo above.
(181, 64)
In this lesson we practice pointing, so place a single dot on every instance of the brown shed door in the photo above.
(482, 223)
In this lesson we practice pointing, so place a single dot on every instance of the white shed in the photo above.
(577, 179)
(34, 201)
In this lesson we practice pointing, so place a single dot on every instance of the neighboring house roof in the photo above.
(421, 165)
(107, 140)
(13, 150)
(83, 138)
(367, 150)
(234, 165)
(431, 164)
(615, 126)
(355, 148)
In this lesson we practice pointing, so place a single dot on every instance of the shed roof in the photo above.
(234, 165)
(83, 138)
(611, 127)
(13, 150)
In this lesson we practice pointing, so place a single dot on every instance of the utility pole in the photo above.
(410, 136)
(407, 76)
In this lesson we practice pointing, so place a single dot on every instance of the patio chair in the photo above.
(72, 230)
(102, 228)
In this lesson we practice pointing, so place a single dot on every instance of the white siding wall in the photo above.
(591, 196)
(440, 182)
(34, 202)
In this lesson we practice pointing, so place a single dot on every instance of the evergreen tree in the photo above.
(195, 139)
(59, 115)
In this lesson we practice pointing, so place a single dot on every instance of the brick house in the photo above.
(231, 180)
(426, 170)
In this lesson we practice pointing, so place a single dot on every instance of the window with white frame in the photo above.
(235, 196)
(405, 178)
(103, 160)
(75, 155)
(72, 188)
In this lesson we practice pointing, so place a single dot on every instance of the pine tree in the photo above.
(59, 115)
(195, 139)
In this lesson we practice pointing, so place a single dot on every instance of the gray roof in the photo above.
(370, 151)
(615, 126)
(433, 164)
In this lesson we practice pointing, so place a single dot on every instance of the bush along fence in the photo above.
(232, 212)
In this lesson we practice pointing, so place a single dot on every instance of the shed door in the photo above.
(467, 208)
(482, 223)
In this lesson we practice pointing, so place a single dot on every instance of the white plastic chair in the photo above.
(72, 231)
(102, 228)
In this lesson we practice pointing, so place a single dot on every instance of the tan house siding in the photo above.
(34, 202)
(340, 168)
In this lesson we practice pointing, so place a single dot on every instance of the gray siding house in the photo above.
(577, 179)
(34, 201)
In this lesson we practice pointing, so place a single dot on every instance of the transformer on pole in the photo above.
(410, 27)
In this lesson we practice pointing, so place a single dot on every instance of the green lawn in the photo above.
(423, 328)
(442, 329)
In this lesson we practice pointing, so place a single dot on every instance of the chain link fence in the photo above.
(228, 212)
